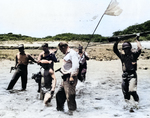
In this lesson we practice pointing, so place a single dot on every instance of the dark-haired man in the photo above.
(129, 67)
(83, 56)
(46, 59)
(69, 69)
(22, 60)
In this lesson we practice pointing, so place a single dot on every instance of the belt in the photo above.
(64, 77)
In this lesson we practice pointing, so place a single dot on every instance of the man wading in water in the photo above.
(69, 70)
(46, 60)
(83, 56)
(129, 67)
(22, 60)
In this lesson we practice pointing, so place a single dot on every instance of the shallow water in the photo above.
(99, 96)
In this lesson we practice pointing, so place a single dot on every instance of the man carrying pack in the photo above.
(46, 60)
(129, 67)
(22, 60)
(69, 70)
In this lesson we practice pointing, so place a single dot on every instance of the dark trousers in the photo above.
(66, 92)
(19, 73)
(129, 86)
(47, 79)
(47, 85)
(82, 72)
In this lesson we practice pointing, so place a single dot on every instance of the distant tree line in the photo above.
(136, 29)
(59, 37)
(80, 37)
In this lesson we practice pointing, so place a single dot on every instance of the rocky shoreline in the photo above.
(96, 51)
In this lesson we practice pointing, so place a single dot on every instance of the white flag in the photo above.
(113, 9)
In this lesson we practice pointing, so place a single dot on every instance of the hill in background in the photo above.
(80, 37)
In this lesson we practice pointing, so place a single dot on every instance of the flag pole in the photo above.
(94, 32)
(96, 27)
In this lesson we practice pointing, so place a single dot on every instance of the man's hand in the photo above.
(52, 92)
(12, 68)
(137, 36)
(71, 80)
(138, 43)
(118, 39)
(38, 62)
(58, 60)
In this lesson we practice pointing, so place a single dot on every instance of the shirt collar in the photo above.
(68, 50)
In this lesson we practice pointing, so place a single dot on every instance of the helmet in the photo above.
(20, 46)
(126, 45)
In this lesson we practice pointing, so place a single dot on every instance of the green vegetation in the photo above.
(16, 37)
(65, 37)
(136, 29)
(80, 37)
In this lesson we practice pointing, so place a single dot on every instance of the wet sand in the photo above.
(99, 96)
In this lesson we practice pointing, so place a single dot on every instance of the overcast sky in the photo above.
(41, 18)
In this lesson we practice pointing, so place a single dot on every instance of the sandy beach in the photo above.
(99, 96)
(95, 50)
